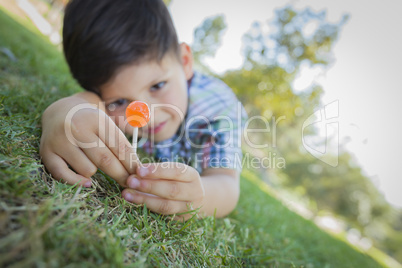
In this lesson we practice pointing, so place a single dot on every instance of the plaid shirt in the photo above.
(210, 135)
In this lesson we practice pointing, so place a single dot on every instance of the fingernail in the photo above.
(88, 184)
(133, 183)
(143, 171)
(129, 197)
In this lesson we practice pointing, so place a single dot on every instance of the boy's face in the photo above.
(163, 86)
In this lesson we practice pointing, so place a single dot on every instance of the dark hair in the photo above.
(100, 36)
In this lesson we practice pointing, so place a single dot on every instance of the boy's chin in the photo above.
(162, 136)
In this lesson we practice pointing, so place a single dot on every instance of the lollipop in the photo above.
(137, 114)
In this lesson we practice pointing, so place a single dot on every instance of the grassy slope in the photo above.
(43, 222)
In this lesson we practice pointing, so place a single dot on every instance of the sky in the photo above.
(364, 77)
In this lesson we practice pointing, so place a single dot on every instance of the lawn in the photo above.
(44, 223)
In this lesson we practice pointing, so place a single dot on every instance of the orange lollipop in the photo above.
(137, 114)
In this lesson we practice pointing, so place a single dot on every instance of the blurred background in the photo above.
(324, 75)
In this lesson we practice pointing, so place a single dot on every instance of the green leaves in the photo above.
(207, 39)
(299, 39)
(295, 37)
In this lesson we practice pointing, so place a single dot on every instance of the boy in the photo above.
(126, 50)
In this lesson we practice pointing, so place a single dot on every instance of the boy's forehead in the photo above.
(146, 71)
(143, 74)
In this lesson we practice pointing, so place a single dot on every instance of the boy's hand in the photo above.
(87, 141)
(166, 188)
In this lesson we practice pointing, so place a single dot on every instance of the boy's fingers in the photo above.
(156, 204)
(167, 170)
(173, 190)
(106, 161)
(59, 170)
(79, 162)
(119, 145)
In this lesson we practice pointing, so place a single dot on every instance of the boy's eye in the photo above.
(116, 104)
(157, 86)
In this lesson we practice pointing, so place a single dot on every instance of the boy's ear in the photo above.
(187, 60)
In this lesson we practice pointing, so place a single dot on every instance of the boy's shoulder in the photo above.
(210, 97)
(203, 85)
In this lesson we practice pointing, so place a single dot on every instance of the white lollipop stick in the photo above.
(137, 113)
(135, 138)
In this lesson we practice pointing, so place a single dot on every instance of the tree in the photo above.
(207, 39)
(264, 85)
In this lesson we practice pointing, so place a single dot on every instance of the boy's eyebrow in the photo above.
(153, 82)
(158, 77)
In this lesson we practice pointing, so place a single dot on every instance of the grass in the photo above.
(44, 223)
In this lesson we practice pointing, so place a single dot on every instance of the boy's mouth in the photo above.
(157, 128)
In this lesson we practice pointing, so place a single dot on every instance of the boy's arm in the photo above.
(89, 97)
(82, 141)
(222, 189)
(172, 188)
